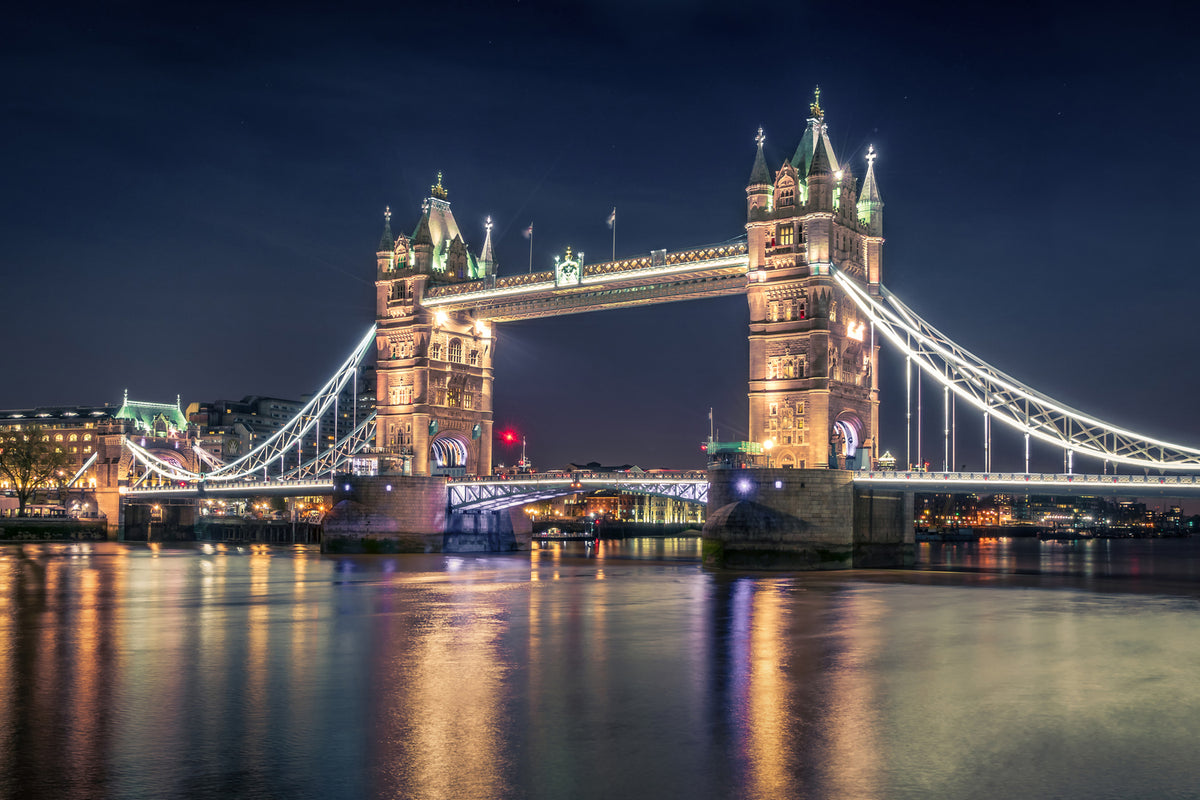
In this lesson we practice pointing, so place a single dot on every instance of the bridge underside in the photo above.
(494, 495)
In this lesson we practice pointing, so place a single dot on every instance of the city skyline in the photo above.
(209, 200)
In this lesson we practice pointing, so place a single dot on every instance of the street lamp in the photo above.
(767, 445)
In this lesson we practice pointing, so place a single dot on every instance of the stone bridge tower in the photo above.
(813, 379)
(433, 368)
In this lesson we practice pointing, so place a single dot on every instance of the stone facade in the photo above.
(813, 381)
(804, 519)
(433, 369)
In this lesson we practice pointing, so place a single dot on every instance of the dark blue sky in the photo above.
(193, 196)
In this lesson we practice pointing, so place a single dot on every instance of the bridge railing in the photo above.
(561, 476)
(1039, 479)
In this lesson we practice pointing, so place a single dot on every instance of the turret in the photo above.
(870, 215)
(820, 179)
(422, 244)
(870, 204)
(487, 260)
(387, 246)
(759, 189)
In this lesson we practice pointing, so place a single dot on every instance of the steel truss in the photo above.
(1002, 397)
(287, 439)
(328, 461)
(493, 494)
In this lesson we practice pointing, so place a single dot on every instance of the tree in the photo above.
(30, 462)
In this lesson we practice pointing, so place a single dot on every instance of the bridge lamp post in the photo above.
(767, 445)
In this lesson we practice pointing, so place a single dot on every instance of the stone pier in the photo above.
(804, 519)
(409, 514)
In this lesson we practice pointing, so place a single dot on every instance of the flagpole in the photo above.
(614, 250)
(531, 248)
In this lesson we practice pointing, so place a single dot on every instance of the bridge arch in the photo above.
(449, 453)
(846, 438)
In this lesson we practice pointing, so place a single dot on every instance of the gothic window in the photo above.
(787, 194)
(787, 234)
(405, 395)
(452, 397)
(787, 309)
(395, 350)
(468, 402)
(456, 351)
(394, 395)
(772, 368)
(473, 359)
(773, 409)
(773, 312)
(435, 352)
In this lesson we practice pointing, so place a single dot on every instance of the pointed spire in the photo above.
(870, 203)
(487, 257)
(814, 107)
(386, 242)
(870, 190)
(422, 235)
(820, 161)
(760, 175)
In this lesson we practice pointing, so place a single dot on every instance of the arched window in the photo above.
(58, 437)
(456, 351)
(74, 437)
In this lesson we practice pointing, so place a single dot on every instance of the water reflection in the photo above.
(622, 670)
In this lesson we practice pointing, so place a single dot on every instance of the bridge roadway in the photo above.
(494, 493)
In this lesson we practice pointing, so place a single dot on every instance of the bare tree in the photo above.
(29, 461)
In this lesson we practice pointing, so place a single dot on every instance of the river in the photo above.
(1004, 669)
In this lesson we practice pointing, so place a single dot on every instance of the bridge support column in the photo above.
(409, 514)
(804, 519)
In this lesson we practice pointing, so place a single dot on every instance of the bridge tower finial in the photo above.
(814, 107)
(438, 190)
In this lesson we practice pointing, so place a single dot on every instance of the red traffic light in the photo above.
(508, 437)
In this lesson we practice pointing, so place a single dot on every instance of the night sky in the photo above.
(192, 197)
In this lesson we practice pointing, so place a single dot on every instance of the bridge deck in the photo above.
(662, 277)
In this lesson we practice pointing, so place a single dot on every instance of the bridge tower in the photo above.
(813, 380)
(433, 368)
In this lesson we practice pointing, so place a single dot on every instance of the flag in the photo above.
(612, 218)
(528, 232)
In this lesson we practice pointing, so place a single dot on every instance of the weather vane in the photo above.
(761, 137)
(387, 214)
(871, 155)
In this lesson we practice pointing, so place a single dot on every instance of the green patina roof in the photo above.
(152, 416)
(820, 161)
(760, 175)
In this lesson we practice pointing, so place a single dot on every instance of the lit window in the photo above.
(787, 234)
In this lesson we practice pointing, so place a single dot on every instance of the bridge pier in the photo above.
(409, 514)
(804, 519)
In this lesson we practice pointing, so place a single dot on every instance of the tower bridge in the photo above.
(810, 265)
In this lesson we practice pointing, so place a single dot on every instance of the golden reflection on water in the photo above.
(439, 700)
(767, 729)
(854, 762)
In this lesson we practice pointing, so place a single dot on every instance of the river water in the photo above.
(1006, 669)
